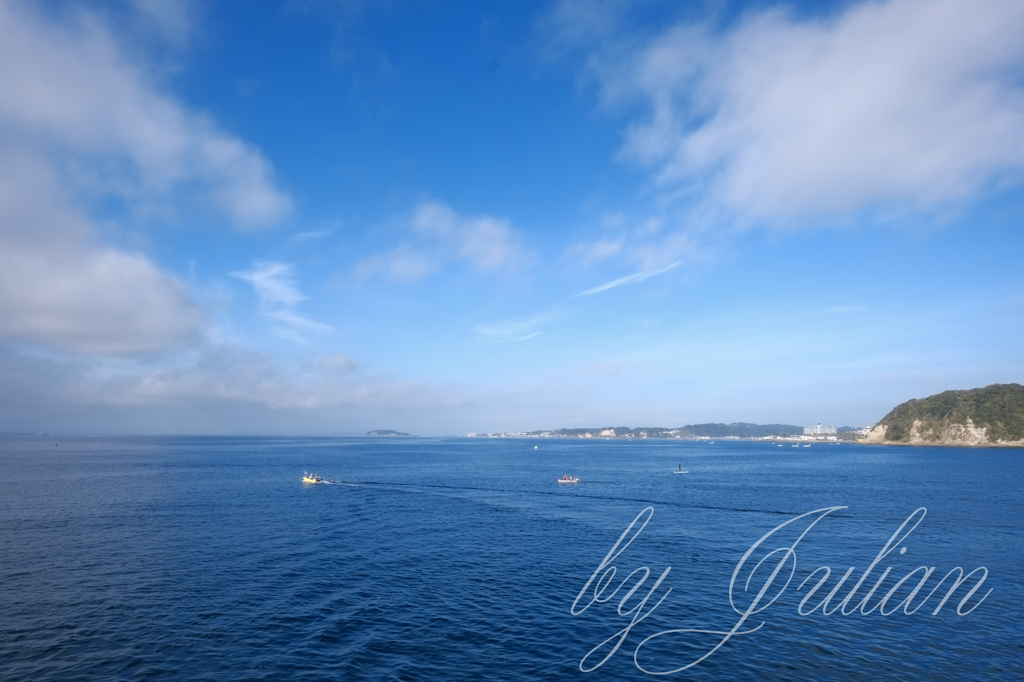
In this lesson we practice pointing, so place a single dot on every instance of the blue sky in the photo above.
(297, 217)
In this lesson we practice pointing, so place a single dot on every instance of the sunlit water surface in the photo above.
(207, 558)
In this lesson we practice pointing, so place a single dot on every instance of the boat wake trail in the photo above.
(442, 489)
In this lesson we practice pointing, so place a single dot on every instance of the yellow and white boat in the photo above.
(312, 478)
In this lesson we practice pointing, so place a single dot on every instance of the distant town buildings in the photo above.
(819, 430)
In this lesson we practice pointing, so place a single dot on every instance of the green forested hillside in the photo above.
(999, 408)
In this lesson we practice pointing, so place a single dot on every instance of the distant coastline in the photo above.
(991, 417)
(735, 431)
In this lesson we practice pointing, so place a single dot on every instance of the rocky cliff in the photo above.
(990, 416)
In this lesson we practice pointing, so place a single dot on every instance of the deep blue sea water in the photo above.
(208, 559)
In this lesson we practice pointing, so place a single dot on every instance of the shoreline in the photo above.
(1011, 444)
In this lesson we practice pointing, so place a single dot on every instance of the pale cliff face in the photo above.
(967, 435)
(876, 435)
(978, 417)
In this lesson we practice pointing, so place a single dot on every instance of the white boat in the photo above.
(568, 479)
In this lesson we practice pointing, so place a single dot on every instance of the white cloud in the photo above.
(82, 123)
(440, 236)
(519, 329)
(898, 105)
(60, 288)
(401, 264)
(339, 363)
(602, 250)
(589, 253)
(214, 389)
(101, 301)
(484, 242)
(648, 246)
(172, 21)
(310, 235)
(71, 93)
(279, 295)
(628, 279)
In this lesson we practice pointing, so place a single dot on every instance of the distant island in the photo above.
(988, 417)
(388, 433)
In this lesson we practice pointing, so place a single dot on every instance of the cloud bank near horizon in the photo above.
(655, 279)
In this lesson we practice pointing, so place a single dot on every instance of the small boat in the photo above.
(807, 446)
(312, 478)
(795, 445)
(568, 479)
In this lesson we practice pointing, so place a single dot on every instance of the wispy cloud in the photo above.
(401, 264)
(603, 249)
(339, 363)
(484, 242)
(515, 330)
(60, 289)
(84, 124)
(898, 105)
(69, 88)
(300, 237)
(438, 236)
(279, 295)
(628, 279)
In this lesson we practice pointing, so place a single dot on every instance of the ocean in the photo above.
(464, 559)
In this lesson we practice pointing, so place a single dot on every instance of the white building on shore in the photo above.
(819, 430)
